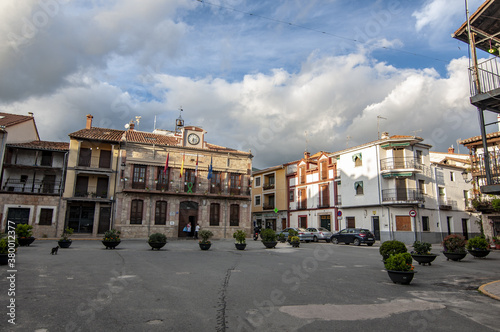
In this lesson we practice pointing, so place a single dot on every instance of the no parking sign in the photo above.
(413, 213)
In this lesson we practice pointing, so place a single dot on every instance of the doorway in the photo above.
(326, 222)
(376, 227)
(18, 216)
(104, 220)
(188, 214)
(465, 229)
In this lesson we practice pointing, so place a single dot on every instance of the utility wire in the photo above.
(315, 30)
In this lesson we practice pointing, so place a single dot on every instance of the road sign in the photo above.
(413, 213)
(339, 213)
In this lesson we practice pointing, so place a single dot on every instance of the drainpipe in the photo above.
(437, 203)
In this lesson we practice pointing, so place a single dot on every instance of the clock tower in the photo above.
(193, 137)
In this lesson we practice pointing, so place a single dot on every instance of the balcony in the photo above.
(268, 186)
(391, 164)
(402, 196)
(33, 187)
(338, 174)
(485, 88)
(323, 205)
(338, 200)
(478, 170)
(268, 206)
(447, 204)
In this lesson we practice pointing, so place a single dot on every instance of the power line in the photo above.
(315, 30)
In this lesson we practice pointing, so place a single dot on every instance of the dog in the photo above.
(54, 250)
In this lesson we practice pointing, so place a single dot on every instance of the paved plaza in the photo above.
(317, 287)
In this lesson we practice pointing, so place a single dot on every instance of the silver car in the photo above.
(303, 235)
(320, 233)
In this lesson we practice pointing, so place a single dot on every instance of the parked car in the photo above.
(320, 233)
(304, 235)
(355, 236)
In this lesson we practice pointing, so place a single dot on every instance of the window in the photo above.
(136, 212)
(189, 181)
(139, 177)
(84, 158)
(234, 215)
(302, 199)
(216, 183)
(235, 183)
(257, 200)
(350, 222)
(324, 196)
(358, 159)
(403, 223)
(161, 213)
(425, 224)
(257, 181)
(302, 175)
(324, 169)
(46, 158)
(291, 195)
(419, 157)
(102, 187)
(45, 217)
(105, 159)
(162, 178)
(441, 192)
(302, 222)
(214, 214)
(421, 186)
(452, 176)
(358, 186)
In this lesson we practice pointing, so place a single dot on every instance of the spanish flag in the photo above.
(182, 165)
(166, 164)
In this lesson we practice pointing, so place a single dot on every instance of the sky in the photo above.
(274, 77)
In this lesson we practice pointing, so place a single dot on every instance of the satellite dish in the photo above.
(127, 126)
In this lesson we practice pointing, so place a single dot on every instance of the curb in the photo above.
(482, 290)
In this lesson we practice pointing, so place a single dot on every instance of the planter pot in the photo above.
(157, 245)
(424, 259)
(205, 246)
(110, 244)
(295, 244)
(25, 241)
(270, 245)
(454, 256)
(4, 259)
(240, 246)
(64, 243)
(401, 277)
(479, 253)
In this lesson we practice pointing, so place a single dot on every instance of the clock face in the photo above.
(193, 139)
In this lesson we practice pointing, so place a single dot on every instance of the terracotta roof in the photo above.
(7, 119)
(224, 149)
(143, 137)
(479, 138)
(100, 134)
(42, 145)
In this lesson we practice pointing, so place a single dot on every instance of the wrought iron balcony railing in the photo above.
(402, 195)
(30, 186)
(488, 76)
(400, 163)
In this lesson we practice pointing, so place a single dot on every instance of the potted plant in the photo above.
(282, 238)
(205, 243)
(422, 253)
(24, 234)
(392, 247)
(269, 238)
(240, 237)
(454, 247)
(111, 239)
(291, 234)
(496, 240)
(4, 249)
(399, 268)
(157, 241)
(295, 241)
(65, 241)
(478, 247)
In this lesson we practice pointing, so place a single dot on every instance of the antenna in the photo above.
(347, 141)
(307, 141)
(378, 125)
(416, 131)
(458, 145)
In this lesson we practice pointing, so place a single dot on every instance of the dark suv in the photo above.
(355, 236)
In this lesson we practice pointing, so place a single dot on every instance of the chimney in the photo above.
(30, 114)
(451, 150)
(132, 125)
(385, 135)
(89, 121)
(306, 155)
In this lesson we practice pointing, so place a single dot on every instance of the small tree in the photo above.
(268, 235)
(392, 247)
(240, 236)
(205, 235)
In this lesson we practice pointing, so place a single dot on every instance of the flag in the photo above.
(182, 165)
(196, 169)
(210, 169)
(166, 165)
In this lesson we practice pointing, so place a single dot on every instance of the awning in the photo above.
(358, 184)
(392, 175)
(394, 145)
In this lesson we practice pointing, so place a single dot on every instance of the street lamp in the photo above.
(464, 175)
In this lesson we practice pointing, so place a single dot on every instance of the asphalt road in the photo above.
(317, 287)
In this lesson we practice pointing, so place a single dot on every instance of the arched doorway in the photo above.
(188, 214)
